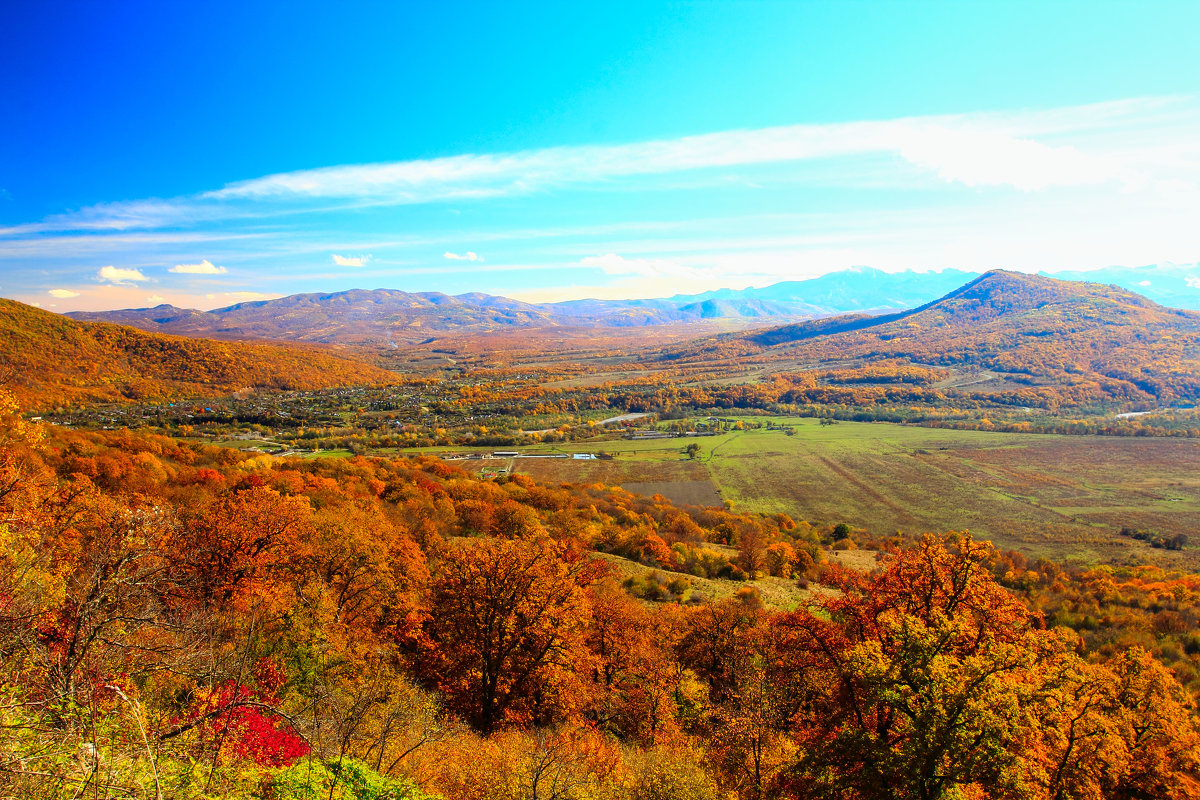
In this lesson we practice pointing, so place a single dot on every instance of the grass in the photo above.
(779, 593)
(328, 454)
(1063, 497)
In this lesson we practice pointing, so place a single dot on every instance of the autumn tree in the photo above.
(231, 551)
(1156, 724)
(636, 681)
(780, 559)
(718, 643)
(919, 681)
(747, 731)
(507, 622)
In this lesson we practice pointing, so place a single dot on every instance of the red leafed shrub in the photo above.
(242, 717)
(256, 737)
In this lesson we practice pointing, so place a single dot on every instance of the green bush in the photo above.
(348, 779)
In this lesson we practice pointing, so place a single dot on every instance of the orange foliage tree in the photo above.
(507, 626)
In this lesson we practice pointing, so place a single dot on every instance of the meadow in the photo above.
(1065, 497)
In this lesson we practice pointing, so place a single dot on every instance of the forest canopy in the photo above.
(179, 620)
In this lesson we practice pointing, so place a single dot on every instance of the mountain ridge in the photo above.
(387, 316)
(380, 315)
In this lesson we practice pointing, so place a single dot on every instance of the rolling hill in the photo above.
(352, 316)
(50, 359)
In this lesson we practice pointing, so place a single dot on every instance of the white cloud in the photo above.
(1143, 283)
(467, 256)
(205, 267)
(983, 158)
(121, 276)
(155, 299)
(1193, 281)
(62, 294)
(351, 261)
(976, 149)
(981, 149)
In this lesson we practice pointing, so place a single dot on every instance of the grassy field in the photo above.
(1061, 496)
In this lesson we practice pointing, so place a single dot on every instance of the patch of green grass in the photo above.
(329, 454)
(779, 593)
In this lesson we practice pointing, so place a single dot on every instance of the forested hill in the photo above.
(1028, 304)
(1101, 341)
(47, 358)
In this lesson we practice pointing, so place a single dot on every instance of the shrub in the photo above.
(348, 779)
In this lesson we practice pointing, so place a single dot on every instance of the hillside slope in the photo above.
(50, 359)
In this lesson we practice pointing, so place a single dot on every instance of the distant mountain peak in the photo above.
(998, 298)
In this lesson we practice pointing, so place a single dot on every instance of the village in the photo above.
(417, 415)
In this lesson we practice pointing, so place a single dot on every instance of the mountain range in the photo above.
(386, 315)
(1010, 332)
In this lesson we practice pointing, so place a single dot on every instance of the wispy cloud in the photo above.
(1015, 149)
(205, 267)
(15, 242)
(981, 158)
(1065, 188)
(121, 276)
(155, 299)
(62, 294)
(980, 148)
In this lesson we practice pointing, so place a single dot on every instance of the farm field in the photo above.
(1060, 496)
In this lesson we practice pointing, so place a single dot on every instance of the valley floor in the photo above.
(1064, 497)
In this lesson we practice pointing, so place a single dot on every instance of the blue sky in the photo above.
(202, 154)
